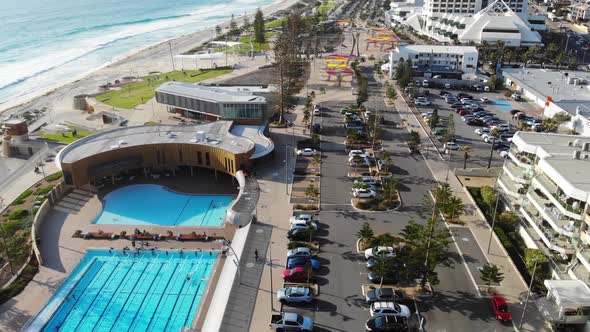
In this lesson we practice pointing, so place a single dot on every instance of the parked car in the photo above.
(290, 321)
(464, 112)
(500, 308)
(389, 308)
(360, 162)
(457, 105)
(306, 217)
(465, 95)
(513, 112)
(360, 153)
(363, 193)
(296, 274)
(295, 295)
(468, 117)
(299, 233)
(387, 324)
(303, 224)
(444, 93)
(307, 152)
(452, 146)
(303, 262)
(383, 294)
(299, 252)
(387, 279)
(484, 99)
(475, 122)
(483, 130)
(422, 101)
(378, 251)
(368, 180)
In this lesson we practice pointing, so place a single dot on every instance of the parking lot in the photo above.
(499, 105)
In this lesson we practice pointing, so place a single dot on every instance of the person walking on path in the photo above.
(256, 254)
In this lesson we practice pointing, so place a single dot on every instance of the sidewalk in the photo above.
(513, 287)
(10, 191)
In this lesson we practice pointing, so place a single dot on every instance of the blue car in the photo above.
(303, 262)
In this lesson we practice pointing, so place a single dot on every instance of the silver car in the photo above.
(295, 295)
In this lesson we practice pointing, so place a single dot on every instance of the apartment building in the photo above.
(579, 12)
(471, 21)
(545, 180)
(432, 60)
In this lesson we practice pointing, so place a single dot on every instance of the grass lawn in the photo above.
(67, 137)
(136, 93)
(258, 47)
(275, 23)
(326, 7)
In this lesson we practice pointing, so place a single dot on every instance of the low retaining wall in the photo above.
(53, 198)
(493, 172)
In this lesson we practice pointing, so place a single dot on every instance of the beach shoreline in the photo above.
(138, 62)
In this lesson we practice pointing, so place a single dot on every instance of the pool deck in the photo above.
(61, 252)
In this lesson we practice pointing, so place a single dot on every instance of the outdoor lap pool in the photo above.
(148, 291)
(149, 204)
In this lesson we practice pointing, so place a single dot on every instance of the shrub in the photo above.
(503, 238)
(20, 283)
(306, 207)
(385, 239)
(21, 198)
(18, 214)
(44, 190)
(54, 176)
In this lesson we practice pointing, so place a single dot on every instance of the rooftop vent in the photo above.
(586, 146)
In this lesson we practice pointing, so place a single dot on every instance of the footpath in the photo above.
(513, 287)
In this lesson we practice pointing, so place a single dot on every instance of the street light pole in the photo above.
(171, 57)
(286, 169)
(270, 276)
(449, 165)
(237, 260)
(528, 294)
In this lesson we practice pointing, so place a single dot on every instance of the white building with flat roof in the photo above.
(431, 60)
(555, 91)
(472, 21)
(545, 180)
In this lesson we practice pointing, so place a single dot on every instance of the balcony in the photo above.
(551, 190)
(520, 159)
(553, 240)
(549, 212)
(517, 174)
(583, 256)
(509, 186)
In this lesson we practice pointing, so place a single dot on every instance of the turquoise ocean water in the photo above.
(45, 42)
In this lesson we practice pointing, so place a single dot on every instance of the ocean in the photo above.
(45, 42)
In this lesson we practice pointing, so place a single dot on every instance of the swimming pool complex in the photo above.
(148, 291)
(149, 204)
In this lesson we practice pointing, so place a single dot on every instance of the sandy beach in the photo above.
(152, 58)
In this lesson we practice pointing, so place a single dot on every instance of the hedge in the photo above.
(21, 198)
(18, 214)
(54, 176)
(44, 190)
(20, 283)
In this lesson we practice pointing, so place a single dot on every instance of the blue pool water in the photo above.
(149, 204)
(119, 292)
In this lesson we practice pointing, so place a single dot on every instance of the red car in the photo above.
(295, 274)
(464, 112)
(500, 309)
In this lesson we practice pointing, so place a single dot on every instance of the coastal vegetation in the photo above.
(326, 7)
(136, 93)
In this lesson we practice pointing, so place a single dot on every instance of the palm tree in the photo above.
(383, 266)
(454, 208)
(390, 190)
(365, 234)
(466, 151)
(500, 44)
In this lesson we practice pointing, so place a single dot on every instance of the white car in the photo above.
(303, 224)
(368, 180)
(486, 88)
(294, 295)
(389, 309)
(360, 153)
(504, 153)
(378, 251)
(501, 127)
(307, 152)
(452, 146)
(481, 131)
(363, 193)
(316, 112)
(304, 217)
(299, 252)
(422, 101)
